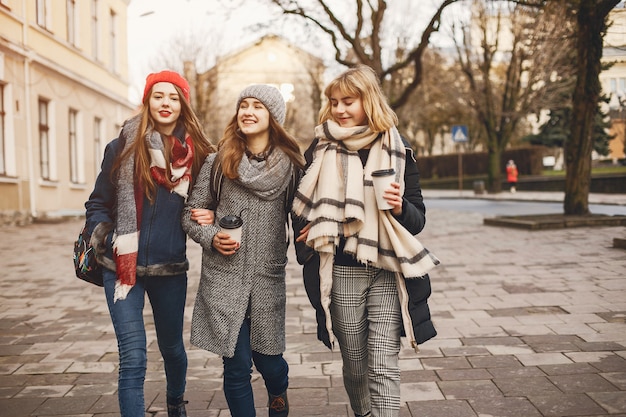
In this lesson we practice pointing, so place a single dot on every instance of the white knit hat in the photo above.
(271, 98)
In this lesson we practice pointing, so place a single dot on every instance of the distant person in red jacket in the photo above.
(511, 174)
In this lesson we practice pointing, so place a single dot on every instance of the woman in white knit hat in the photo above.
(239, 311)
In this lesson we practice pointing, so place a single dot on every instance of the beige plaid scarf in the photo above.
(336, 196)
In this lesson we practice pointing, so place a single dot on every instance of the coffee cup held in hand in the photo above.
(232, 224)
(382, 179)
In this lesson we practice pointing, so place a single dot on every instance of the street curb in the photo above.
(555, 221)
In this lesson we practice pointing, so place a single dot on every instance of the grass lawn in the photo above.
(608, 169)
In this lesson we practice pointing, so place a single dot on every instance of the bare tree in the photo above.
(515, 61)
(591, 26)
(440, 101)
(360, 40)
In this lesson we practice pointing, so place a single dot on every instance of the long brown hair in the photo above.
(201, 145)
(233, 145)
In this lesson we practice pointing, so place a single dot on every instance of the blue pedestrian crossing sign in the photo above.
(459, 133)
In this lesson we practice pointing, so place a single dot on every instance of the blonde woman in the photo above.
(364, 253)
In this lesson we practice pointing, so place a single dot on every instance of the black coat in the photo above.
(419, 290)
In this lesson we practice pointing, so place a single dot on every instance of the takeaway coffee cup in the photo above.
(382, 179)
(232, 224)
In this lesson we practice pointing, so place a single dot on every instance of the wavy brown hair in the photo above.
(233, 145)
(201, 145)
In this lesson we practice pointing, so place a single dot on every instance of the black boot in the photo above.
(176, 407)
(278, 405)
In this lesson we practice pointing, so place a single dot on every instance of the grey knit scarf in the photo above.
(266, 178)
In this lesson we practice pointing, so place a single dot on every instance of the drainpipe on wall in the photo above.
(27, 108)
(29, 142)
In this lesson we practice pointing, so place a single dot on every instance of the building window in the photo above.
(113, 41)
(97, 143)
(43, 13)
(44, 140)
(71, 21)
(94, 30)
(3, 167)
(73, 141)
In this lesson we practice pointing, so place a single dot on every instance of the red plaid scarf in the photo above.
(131, 196)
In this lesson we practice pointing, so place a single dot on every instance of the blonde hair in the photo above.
(233, 145)
(362, 82)
(201, 145)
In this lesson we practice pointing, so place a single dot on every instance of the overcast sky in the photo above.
(153, 23)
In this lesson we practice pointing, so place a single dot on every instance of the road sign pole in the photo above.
(458, 149)
(460, 134)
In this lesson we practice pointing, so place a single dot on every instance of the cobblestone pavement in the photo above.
(531, 323)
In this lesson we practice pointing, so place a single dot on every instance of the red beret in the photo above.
(166, 77)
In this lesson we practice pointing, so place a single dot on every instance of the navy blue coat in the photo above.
(162, 246)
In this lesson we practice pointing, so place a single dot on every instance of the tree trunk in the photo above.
(591, 20)
(494, 176)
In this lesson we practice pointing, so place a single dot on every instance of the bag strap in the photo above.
(296, 174)
(217, 178)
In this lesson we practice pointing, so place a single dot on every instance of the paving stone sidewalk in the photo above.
(530, 324)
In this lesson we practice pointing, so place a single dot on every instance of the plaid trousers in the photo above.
(367, 322)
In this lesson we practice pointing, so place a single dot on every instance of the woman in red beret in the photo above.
(134, 217)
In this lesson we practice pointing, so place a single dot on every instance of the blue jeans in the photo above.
(167, 296)
(238, 371)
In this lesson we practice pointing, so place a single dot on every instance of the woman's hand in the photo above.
(304, 233)
(393, 197)
(202, 216)
(224, 244)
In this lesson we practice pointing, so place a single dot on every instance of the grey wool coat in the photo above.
(252, 281)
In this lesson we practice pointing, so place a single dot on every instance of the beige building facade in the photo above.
(270, 60)
(63, 97)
